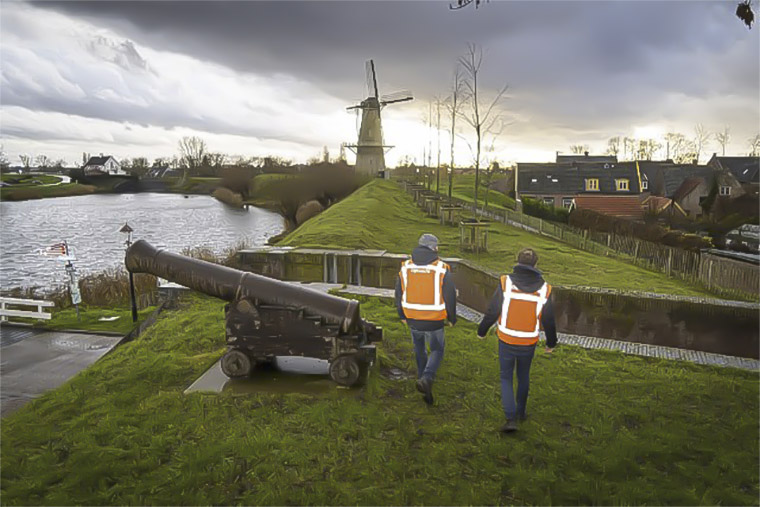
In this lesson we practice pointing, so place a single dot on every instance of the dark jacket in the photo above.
(527, 279)
(423, 256)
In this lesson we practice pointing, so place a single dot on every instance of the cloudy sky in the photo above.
(257, 78)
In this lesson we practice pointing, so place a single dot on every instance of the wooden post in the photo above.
(670, 261)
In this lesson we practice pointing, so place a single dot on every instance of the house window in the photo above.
(567, 202)
(621, 185)
(549, 201)
(592, 183)
(724, 190)
(644, 185)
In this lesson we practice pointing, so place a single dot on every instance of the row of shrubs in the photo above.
(598, 222)
(538, 209)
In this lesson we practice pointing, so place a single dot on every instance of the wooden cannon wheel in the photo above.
(236, 364)
(346, 370)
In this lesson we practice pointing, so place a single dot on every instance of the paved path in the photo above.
(33, 361)
(588, 342)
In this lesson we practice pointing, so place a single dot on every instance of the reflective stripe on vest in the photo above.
(438, 270)
(540, 298)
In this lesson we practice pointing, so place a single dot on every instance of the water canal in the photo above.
(90, 224)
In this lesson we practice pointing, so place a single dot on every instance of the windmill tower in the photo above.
(369, 149)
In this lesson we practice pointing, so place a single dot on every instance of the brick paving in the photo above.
(586, 342)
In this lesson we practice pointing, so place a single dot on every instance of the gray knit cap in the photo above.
(429, 241)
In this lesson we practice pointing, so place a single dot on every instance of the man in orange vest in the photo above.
(519, 306)
(425, 298)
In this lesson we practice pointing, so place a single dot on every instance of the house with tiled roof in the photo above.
(585, 157)
(103, 165)
(746, 170)
(662, 206)
(558, 184)
(620, 206)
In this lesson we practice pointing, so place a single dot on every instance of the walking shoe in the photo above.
(509, 426)
(425, 386)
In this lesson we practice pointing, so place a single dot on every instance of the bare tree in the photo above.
(723, 138)
(701, 136)
(754, 146)
(26, 160)
(613, 146)
(578, 149)
(192, 151)
(647, 149)
(483, 118)
(42, 161)
(629, 145)
(438, 103)
(674, 142)
(456, 100)
(4, 161)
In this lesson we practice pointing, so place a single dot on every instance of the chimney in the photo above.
(585, 154)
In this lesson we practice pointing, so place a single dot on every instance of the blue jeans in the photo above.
(427, 365)
(509, 357)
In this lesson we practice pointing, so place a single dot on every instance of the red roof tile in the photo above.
(622, 206)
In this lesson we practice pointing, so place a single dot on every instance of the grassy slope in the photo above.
(464, 188)
(381, 216)
(604, 429)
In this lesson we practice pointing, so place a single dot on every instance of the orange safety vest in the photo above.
(520, 317)
(422, 290)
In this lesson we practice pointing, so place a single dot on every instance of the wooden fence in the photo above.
(722, 276)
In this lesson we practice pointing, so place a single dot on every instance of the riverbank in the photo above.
(604, 429)
(382, 214)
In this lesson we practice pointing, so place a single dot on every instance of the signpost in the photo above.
(62, 252)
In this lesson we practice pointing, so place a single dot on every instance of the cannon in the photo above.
(266, 318)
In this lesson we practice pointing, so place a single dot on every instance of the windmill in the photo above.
(370, 150)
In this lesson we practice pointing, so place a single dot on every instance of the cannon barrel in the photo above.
(232, 284)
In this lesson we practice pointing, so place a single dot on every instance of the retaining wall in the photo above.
(709, 325)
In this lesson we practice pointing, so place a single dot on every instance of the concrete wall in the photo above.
(709, 325)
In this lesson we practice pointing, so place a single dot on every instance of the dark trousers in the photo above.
(513, 357)
(428, 364)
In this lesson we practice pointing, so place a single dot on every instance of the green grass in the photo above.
(29, 179)
(464, 188)
(41, 192)
(89, 319)
(382, 216)
(604, 428)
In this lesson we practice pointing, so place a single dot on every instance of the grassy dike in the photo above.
(380, 215)
(603, 428)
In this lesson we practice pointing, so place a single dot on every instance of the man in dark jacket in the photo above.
(425, 298)
(517, 346)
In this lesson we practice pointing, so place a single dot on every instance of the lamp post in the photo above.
(128, 231)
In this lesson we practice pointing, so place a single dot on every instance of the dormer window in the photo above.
(725, 190)
(554, 180)
(644, 185)
(621, 185)
(592, 184)
(533, 180)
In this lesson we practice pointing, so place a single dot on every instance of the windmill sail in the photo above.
(370, 149)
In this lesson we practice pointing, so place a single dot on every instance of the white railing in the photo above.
(5, 312)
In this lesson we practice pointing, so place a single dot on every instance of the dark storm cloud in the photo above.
(545, 47)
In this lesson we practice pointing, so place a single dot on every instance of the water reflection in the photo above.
(91, 224)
